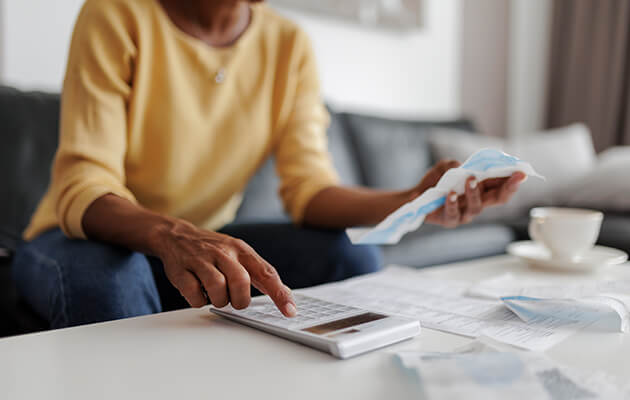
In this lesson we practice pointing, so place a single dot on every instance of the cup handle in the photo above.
(534, 230)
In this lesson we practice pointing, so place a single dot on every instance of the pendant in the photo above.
(220, 76)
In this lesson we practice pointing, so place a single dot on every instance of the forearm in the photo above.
(342, 207)
(202, 265)
(115, 220)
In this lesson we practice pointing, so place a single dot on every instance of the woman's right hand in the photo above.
(196, 260)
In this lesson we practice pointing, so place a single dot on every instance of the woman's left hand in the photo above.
(462, 209)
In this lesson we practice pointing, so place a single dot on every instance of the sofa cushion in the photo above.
(261, 201)
(16, 317)
(29, 130)
(342, 150)
(615, 231)
(433, 245)
(8, 325)
(564, 156)
(393, 154)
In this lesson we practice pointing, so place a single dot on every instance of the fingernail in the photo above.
(453, 198)
(473, 184)
(290, 309)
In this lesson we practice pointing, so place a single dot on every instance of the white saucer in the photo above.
(538, 256)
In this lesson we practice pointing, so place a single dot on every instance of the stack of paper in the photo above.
(445, 305)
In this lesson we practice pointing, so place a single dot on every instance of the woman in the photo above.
(168, 109)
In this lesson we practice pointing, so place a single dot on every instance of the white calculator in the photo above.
(334, 328)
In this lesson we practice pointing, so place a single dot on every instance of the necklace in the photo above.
(220, 76)
(221, 73)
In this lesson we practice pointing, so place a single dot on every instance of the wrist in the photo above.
(411, 194)
(396, 200)
(163, 233)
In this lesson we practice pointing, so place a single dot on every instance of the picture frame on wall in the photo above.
(391, 14)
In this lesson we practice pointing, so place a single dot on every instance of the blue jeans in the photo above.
(74, 282)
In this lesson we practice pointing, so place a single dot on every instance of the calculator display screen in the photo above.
(333, 326)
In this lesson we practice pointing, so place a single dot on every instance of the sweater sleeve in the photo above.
(93, 129)
(303, 161)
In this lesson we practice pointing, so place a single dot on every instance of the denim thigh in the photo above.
(307, 256)
(72, 282)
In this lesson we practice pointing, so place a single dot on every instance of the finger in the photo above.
(509, 188)
(215, 284)
(451, 211)
(190, 287)
(493, 182)
(519, 176)
(490, 197)
(473, 200)
(238, 281)
(435, 217)
(265, 278)
(498, 182)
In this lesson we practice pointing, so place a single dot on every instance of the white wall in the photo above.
(2, 39)
(395, 73)
(35, 41)
(484, 66)
(399, 74)
(530, 33)
(362, 69)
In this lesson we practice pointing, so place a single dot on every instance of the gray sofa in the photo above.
(366, 150)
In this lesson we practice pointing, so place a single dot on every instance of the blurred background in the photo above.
(489, 60)
(486, 59)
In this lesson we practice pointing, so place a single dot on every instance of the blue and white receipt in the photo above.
(484, 164)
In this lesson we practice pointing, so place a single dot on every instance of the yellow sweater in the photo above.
(143, 117)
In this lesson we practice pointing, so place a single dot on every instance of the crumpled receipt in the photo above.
(484, 164)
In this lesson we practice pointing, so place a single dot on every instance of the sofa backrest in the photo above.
(261, 201)
(28, 140)
(394, 154)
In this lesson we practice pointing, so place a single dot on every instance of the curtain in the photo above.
(589, 76)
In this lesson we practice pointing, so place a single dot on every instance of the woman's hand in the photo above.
(199, 262)
(479, 195)
(202, 265)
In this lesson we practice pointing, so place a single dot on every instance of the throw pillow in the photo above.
(607, 186)
(563, 155)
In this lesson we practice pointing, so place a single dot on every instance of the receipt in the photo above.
(563, 287)
(583, 301)
(484, 164)
(479, 371)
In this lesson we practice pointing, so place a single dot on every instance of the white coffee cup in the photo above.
(567, 232)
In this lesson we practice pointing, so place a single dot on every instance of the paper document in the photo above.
(551, 287)
(442, 305)
(484, 164)
(611, 311)
(605, 301)
(482, 372)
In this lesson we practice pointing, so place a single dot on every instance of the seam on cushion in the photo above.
(62, 284)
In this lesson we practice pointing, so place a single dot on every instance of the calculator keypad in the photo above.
(311, 311)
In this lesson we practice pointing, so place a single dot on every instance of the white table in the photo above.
(192, 354)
